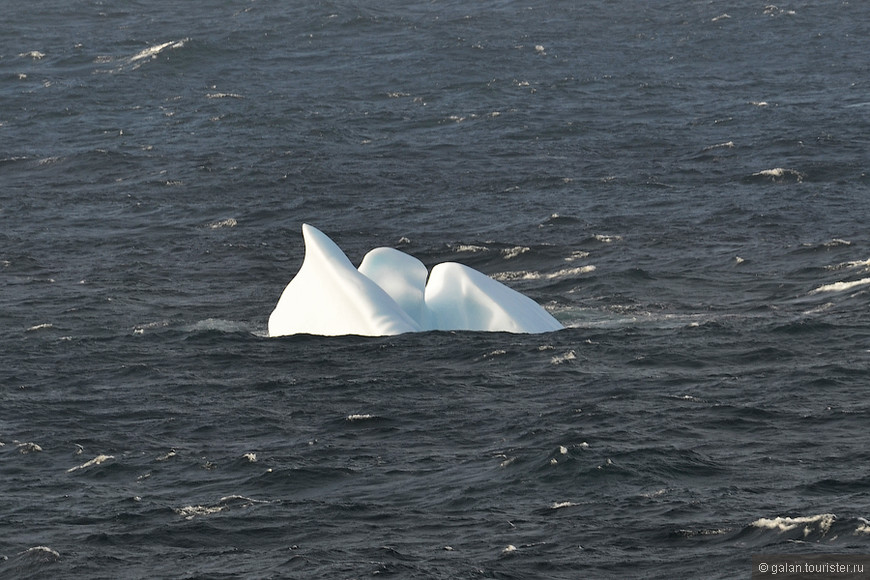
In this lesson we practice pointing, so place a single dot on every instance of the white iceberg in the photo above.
(389, 294)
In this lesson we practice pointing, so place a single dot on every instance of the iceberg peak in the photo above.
(389, 294)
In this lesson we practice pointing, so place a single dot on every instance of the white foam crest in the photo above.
(95, 461)
(780, 173)
(577, 255)
(34, 54)
(28, 447)
(360, 417)
(562, 504)
(773, 10)
(514, 252)
(529, 275)
(851, 265)
(227, 223)
(224, 96)
(217, 324)
(605, 239)
(191, 511)
(785, 524)
(43, 551)
(468, 248)
(42, 326)
(141, 328)
(153, 51)
(726, 145)
(841, 286)
(167, 456)
(564, 358)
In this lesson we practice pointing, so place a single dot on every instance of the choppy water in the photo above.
(684, 185)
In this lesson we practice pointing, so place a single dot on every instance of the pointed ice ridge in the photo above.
(389, 294)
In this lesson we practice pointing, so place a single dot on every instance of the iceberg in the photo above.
(393, 293)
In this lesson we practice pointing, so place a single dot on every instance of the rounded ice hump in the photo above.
(389, 294)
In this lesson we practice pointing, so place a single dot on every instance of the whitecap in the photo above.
(514, 252)
(773, 10)
(577, 255)
(562, 504)
(841, 286)
(251, 457)
(853, 264)
(529, 275)
(224, 96)
(167, 456)
(141, 328)
(40, 327)
(604, 239)
(153, 51)
(28, 447)
(34, 54)
(785, 524)
(725, 145)
(95, 461)
(564, 358)
(217, 324)
(458, 248)
(227, 223)
(360, 417)
(43, 551)
(780, 174)
(191, 511)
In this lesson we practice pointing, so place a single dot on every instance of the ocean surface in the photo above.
(683, 184)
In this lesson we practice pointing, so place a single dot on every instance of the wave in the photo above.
(224, 504)
(841, 286)
(820, 523)
(851, 265)
(95, 461)
(776, 175)
(142, 57)
(152, 51)
(531, 275)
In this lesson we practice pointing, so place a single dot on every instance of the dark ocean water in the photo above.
(683, 184)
